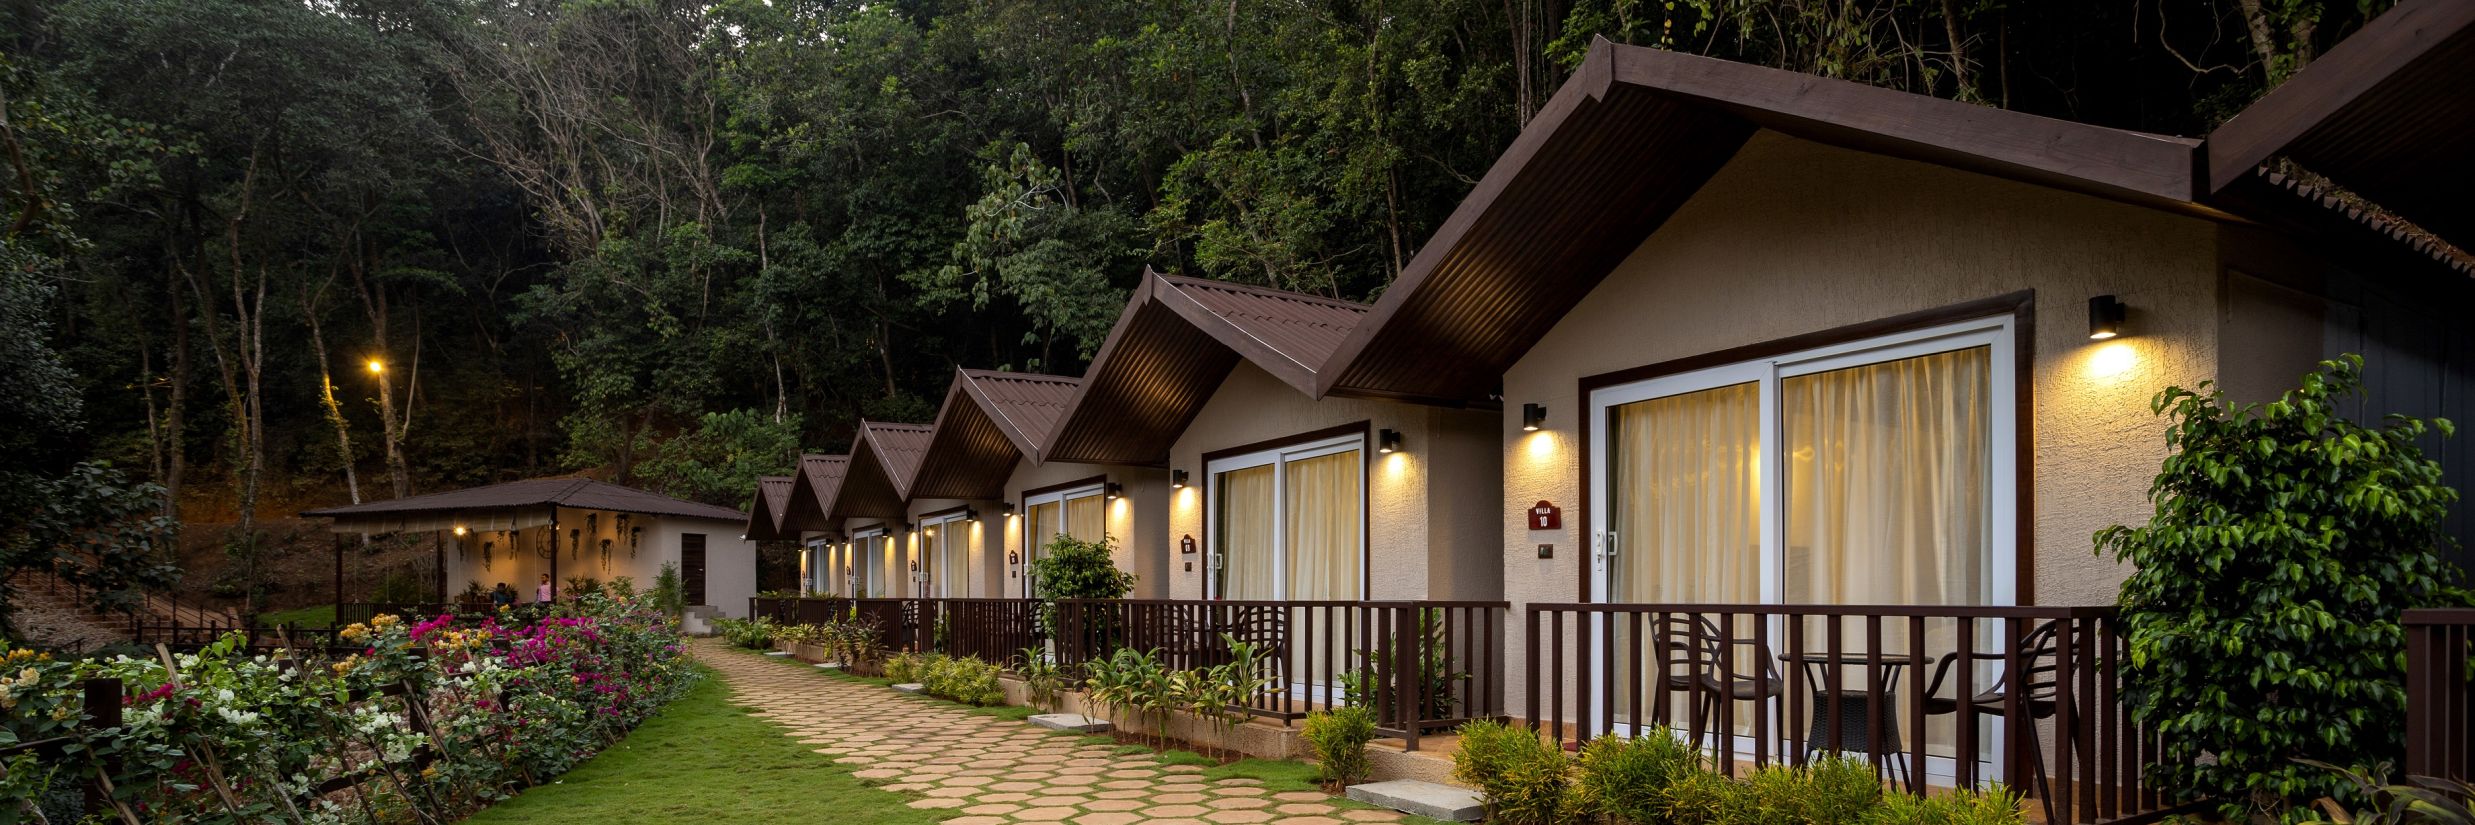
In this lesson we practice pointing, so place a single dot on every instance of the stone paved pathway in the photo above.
(992, 770)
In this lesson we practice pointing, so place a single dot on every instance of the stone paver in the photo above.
(996, 771)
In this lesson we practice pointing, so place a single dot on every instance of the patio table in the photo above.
(1853, 706)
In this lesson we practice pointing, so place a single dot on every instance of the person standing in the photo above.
(541, 593)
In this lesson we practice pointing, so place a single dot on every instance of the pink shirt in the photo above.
(542, 593)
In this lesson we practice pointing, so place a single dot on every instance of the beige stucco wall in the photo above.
(986, 570)
(1794, 237)
(1137, 520)
(730, 561)
(1426, 537)
(897, 555)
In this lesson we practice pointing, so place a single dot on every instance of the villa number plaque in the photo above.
(1546, 516)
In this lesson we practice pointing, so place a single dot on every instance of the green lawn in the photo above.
(706, 760)
(319, 616)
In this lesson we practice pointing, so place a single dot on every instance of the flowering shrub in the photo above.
(228, 736)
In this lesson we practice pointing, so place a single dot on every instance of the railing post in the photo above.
(103, 703)
(1411, 669)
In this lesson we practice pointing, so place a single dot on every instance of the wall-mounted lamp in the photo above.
(1533, 416)
(972, 514)
(1387, 441)
(1005, 508)
(459, 531)
(2105, 317)
(1115, 490)
(1177, 479)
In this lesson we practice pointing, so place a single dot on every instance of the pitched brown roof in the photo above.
(989, 422)
(884, 459)
(577, 493)
(1630, 138)
(1288, 334)
(812, 495)
(773, 496)
(2384, 114)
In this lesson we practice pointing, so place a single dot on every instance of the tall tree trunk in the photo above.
(310, 310)
(176, 417)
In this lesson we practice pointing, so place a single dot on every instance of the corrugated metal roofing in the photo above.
(578, 493)
(884, 458)
(1144, 386)
(1287, 333)
(2385, 114)
(1027, 405)
(773, 496)
(813, 492)
(990, 421)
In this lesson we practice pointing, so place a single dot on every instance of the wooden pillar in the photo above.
(554, 553)
(339, 574)
(440, 541)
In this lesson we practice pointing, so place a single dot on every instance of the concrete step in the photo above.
(1426, 799)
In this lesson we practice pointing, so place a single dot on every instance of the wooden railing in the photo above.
(1929, 695)
(1422, 666)
(991, 630)
(2440, 713)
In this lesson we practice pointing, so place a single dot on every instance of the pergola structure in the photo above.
(521, 521)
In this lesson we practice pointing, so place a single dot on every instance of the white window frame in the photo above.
(1997, 333)
(933, 567)
(1031, 544)
(819, 563)
(1278, 458)
(866, 556)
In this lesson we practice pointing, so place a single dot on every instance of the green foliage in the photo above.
(1525, 779)
(962, 679)
(402, 587)
(2427, 801)
(1994, 805)
(1627, 779)
(718, 461)
(753, 634)
(669, 592)
(1338, 738)
(1042, 678)
(1070, 568)
(2262, 610)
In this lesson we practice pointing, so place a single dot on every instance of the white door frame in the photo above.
(1279, 459)
(1996, 333)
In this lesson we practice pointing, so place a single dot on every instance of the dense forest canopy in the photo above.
(279, 252)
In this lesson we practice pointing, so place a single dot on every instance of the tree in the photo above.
(2262, 611)
(77, 520)
(720, 460)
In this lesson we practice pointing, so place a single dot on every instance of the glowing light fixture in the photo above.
(459, 531)
(377, 366)
(1177, 479)
(1388, 441)
(1115, 490)
(2105, 317)
(1533, 416)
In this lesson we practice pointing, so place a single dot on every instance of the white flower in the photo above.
(237, 717)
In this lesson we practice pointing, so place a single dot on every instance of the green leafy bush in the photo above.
(1705, 798)
(1042, 678)
(669, 593)
(2262, 610)
(1339, 738)
(1525, 780)
(1995, 805)
(2428, 801)
(1070, 568)
(754, 634)
(966, 680)
(1627, 779)
(910, 668)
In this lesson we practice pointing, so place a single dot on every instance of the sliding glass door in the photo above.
(1079, 512)
(945, 548)
(874, 555)
(1289, 523)
(1876, 472)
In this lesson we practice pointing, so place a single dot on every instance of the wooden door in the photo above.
(692, 566)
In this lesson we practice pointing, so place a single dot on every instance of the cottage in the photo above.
(566, 529)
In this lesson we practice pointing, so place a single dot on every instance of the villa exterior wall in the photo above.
(1138, 521)
(1793, 237)
(1447, 466)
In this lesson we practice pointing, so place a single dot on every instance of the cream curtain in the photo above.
(1040, 524)
(1245, 540)
(1888, 484)
(879, 558)
(1686, 498)
(1087, 517)
(1323, 533)
(1685, 508)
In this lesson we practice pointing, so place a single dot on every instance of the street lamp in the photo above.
(377, 366)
